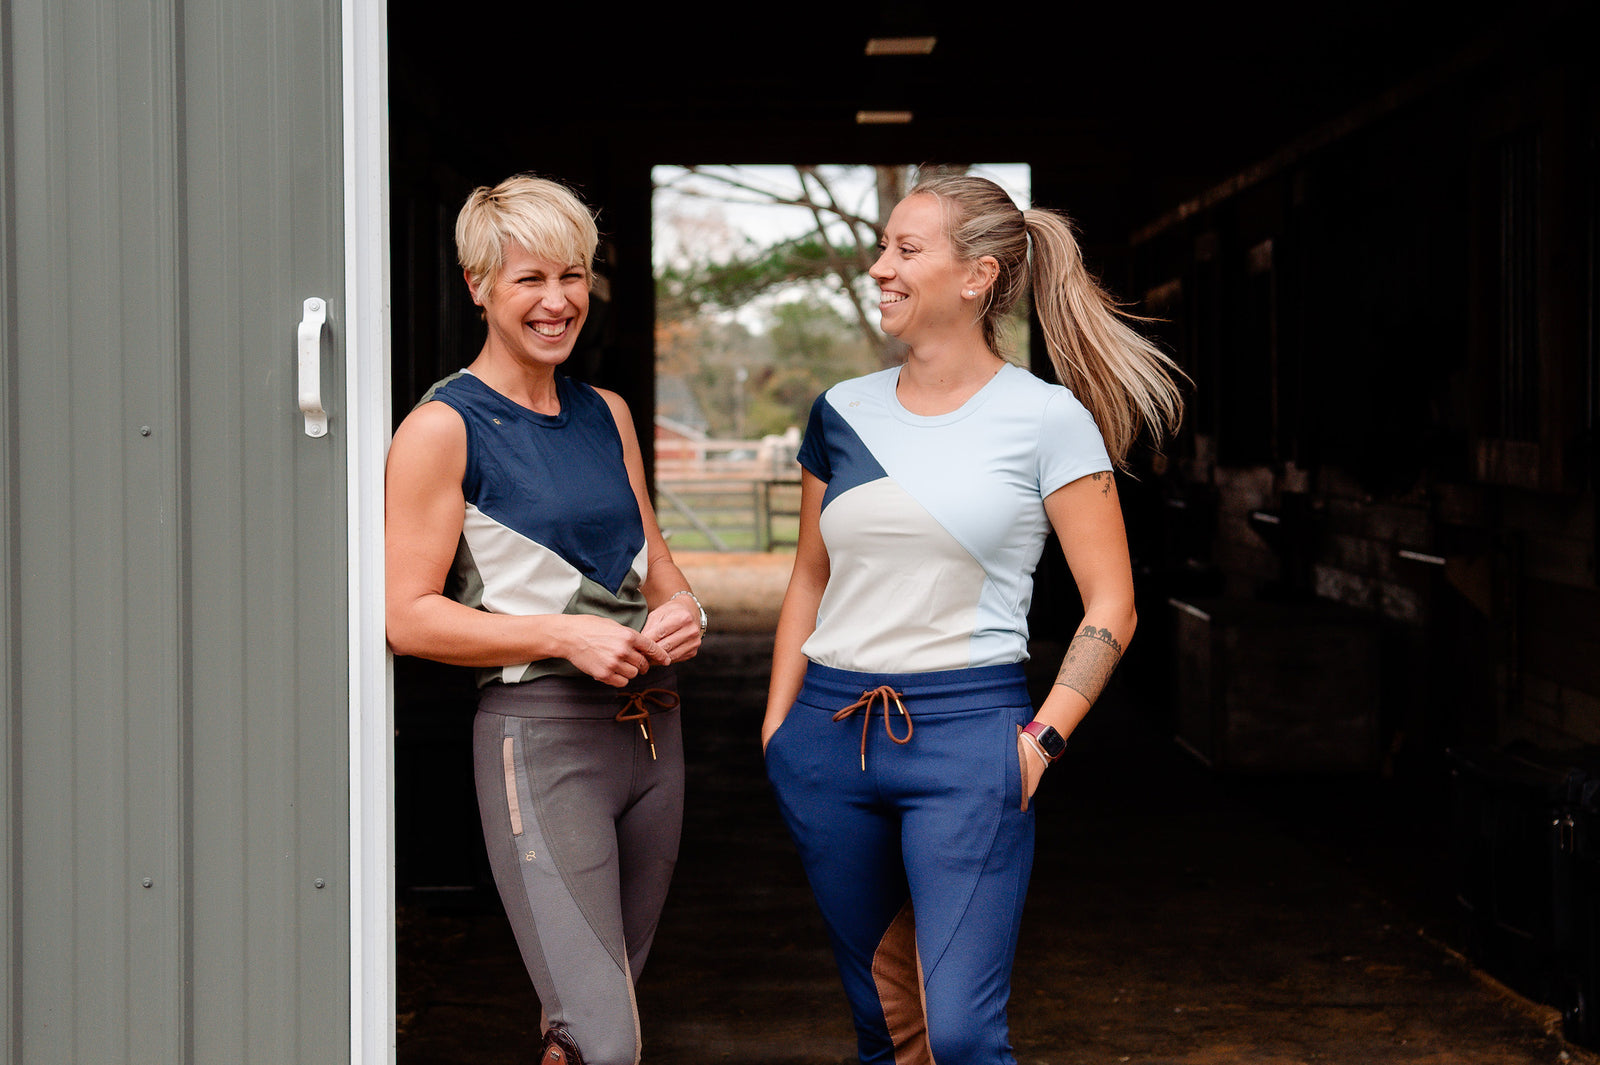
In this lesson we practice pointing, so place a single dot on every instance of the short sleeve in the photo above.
(813, 454)
(1070, 444)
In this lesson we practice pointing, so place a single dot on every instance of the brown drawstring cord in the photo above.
(636, 707)
(884, 692)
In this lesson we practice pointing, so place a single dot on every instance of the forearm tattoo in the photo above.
(1091, 657)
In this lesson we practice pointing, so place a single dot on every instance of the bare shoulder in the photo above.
(619, 411)
(619, 407)
(431, 437)
(433, 422)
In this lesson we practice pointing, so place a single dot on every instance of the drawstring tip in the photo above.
(864, 703)
(636, 707)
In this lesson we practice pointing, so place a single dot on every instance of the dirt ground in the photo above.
(741, 592)
(1176, 917)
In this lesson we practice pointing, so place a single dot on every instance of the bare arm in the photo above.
(423, 513)
(1087, 518)
(674, 623)
(798, 617)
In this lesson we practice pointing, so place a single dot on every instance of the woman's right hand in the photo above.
(609, 652)
(798, 617)
(769, 725)
(1033, 767)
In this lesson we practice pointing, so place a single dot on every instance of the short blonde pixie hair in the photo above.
(546, 218)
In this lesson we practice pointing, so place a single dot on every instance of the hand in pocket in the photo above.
(1032, 768)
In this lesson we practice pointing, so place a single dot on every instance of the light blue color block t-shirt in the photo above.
(934, 525)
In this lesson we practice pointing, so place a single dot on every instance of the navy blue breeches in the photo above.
(918, 851)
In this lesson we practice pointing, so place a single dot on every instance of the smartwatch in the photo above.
(1049, 740)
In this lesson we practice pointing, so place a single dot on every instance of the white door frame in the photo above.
(371, 703)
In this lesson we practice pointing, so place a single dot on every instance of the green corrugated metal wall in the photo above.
(173, 776)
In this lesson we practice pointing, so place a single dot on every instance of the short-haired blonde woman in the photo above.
(899, 734)
(519, 540)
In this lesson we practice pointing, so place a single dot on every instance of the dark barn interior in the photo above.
(1365, 697)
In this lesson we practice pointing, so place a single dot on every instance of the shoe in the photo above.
(559, 1049)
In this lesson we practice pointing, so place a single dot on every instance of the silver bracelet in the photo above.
(697, 605)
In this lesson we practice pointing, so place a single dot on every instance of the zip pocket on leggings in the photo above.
(508, 758)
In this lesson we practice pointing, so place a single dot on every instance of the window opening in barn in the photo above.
(763, 300)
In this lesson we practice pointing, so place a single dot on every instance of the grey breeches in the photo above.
(582, 827)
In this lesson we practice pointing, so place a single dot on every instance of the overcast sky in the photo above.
(723, 219)
(746, 216)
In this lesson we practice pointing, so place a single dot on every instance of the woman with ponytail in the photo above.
(927, 493)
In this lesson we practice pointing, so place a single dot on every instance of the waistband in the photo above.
(582, 697)
(936, 692)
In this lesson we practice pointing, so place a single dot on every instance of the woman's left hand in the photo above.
(675, 628)
(1033, 768)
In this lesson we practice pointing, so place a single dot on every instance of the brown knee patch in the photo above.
(897, 972)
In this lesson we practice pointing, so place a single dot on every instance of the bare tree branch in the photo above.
(847, 273)
(847, 266)
(864, 247)
(768, 196)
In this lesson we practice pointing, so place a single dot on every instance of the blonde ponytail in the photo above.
(1124, 380)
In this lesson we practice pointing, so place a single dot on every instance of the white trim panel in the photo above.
(366, 350)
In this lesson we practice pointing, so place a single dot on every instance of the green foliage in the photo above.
(731, 284)
(817, 331)
(807, 347)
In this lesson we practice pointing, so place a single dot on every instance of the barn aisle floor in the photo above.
(1175, 918)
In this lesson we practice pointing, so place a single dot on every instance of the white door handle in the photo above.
(314, 313)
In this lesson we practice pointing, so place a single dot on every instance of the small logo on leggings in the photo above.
(528, 857)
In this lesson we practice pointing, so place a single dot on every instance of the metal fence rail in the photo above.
(729, 513)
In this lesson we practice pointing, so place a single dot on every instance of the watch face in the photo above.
(1049, 739)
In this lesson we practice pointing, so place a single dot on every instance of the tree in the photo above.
(812, 346)
(806, 299)
(834, 256)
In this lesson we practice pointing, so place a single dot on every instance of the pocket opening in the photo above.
(508, 757)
